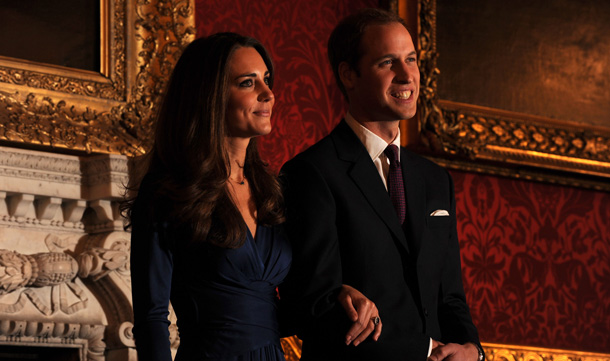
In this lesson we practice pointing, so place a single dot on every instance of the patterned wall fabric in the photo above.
(536, 261)
(536, 257)
(308, 103)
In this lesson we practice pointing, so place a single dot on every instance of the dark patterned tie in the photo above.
(396, 186)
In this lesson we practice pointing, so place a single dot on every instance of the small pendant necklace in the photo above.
(241, 183)
(243, 178)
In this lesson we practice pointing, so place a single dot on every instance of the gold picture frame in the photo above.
(110, 111)
(482, 139)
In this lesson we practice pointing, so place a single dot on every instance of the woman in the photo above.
(205, 223)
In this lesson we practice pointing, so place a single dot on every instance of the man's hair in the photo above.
(344, 41)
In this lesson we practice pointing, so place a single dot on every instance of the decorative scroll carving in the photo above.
(38, 270)
(65, 83)
(109, 112)
(97, 262)
(476, 133)
(430, 115)
(96, 346)
(16, 271)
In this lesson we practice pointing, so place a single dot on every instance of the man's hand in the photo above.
(362, 312)
(436, 344)
(453, 352)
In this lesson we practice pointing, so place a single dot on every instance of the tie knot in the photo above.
(392, 153)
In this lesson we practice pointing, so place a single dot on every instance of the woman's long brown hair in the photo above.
(188, 166)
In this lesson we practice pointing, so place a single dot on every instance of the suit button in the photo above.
(425, 312)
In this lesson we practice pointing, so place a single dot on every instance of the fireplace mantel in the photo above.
(64, 257)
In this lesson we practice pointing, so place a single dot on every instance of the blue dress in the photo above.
(225, 299)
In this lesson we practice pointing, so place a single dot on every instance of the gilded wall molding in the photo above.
(106, 112)
(499, 352)
(292, 348)
(558, 151)
(493, 352)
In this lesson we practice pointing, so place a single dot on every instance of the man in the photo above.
(345, 228)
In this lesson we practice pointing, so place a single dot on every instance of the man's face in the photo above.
(388, 85)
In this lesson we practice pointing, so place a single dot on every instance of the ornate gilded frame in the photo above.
(469, 137)
(109, 111)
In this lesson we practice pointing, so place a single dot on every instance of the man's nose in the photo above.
(403, 73)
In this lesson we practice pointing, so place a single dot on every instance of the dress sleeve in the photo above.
(151, 278)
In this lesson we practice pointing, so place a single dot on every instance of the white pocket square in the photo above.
(439, 213)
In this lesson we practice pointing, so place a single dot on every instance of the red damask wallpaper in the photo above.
(308, 104)
(536, 257)
(536, 261)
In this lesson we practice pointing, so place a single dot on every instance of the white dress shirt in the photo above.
(375, 146)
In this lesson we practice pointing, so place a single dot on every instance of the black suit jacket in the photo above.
(344, 230)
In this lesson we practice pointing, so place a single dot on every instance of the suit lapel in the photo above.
(364, 174)
(415, 190)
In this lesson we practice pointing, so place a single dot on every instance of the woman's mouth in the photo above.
(263, 113)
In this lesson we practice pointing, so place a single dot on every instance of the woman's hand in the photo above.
(362, 312)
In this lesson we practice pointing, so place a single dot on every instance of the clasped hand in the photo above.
(362, 312)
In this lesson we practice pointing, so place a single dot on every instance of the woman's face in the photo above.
(250, 99)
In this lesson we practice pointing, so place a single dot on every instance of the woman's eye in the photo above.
(246, 83)
(267, 80)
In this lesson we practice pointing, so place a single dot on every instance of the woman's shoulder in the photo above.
(150, 201)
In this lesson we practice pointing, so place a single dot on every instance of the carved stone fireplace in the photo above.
(64, 258)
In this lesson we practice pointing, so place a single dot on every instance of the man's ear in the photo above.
(347, 75)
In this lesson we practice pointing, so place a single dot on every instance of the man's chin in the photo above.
(406, 115)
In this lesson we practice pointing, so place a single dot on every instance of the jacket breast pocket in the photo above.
(438, 221)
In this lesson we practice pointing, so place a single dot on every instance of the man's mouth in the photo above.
(403, 94)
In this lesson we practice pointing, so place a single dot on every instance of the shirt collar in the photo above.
(373, 143)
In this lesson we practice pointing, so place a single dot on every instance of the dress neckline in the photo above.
(252, 236)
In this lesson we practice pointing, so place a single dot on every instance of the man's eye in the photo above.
(386, 62)
(246, 83)
(412, 60)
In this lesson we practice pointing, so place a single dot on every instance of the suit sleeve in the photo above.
(310, 289)
(151, 275)
(454, 314)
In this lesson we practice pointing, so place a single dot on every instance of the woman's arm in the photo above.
(151, 275)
